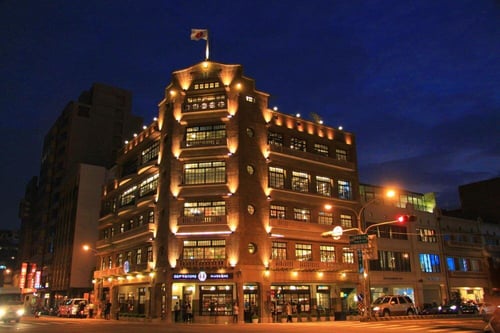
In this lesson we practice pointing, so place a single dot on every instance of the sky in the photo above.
(416, 81)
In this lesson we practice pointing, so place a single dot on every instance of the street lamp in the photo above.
(337, 232)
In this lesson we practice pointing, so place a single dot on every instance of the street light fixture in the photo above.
(337, 232)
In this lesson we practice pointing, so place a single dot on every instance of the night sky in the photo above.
(417, 82)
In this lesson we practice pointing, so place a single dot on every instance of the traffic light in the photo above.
(406, 218)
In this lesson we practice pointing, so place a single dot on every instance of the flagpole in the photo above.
(206, 50)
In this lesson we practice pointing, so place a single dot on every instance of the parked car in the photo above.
(431, 309)
(393, 305)
(74, 307)
(460, 308)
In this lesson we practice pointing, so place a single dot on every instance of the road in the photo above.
(64, 325)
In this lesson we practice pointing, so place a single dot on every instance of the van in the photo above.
(11, 304)
(70, 308)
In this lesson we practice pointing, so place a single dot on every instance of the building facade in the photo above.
(80, 145)
(222, 200)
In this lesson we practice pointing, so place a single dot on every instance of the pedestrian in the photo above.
(189, 313)
(235, 313)
(91, 310)
(288, 312)
(107, 310)
(177, 311)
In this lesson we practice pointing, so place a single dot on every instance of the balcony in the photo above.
(310, 157)
(202, 224)
(289, 264)
(202, 263)
(202, 220)
(145, 232)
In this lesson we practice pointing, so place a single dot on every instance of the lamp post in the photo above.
(337, 232)
(96, 283)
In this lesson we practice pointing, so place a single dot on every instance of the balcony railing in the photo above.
(202, 220)
(290, 264)
(202, 263)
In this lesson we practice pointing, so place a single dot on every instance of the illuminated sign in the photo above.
(202, 276)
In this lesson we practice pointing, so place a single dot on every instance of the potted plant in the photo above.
(255, 318)
(314, 315)
(295, 318)
(283, 317)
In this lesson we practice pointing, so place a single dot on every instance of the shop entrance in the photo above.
(250, 301)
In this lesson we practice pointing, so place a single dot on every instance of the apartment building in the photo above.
(61, 210)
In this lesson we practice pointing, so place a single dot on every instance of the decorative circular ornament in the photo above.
(252, 248)
(250, 169)
(250, 132)
(251, 209)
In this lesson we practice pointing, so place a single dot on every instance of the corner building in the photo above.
(243, 194)
(241, 200)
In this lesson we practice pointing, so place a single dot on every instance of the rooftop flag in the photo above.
(197, 34)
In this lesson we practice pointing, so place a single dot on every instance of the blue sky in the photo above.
(417, 82)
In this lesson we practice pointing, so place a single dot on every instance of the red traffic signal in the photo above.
(406, 218)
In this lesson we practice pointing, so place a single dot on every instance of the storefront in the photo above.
(203, 297)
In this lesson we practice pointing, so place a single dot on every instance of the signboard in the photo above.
(202, 276)
(358, 239)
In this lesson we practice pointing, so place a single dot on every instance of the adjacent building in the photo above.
(61, 206)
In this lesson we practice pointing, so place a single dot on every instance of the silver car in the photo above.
(391, 305)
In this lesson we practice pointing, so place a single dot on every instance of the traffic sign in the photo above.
(358, 239)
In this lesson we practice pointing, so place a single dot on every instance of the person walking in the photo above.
(288, 312)
(189, 313)
(235, 313)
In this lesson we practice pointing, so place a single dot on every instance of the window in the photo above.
(323, 186)
(300, 181)
(128, 197)
(346, 221)
(216, 300)
(138, 256)
(119, 260)
(325, 218)
(341, 154)
(150, 253)
(148, 186)
(298, 144)
(206, 85)
(429, 263)
(275, 139)
(391, 261)
(205, 208)
(150, 153)
(345, 191)
(205, 135)
(303, 252)
(321, 149)
(427, 235)
(213, 172)
(276, 177)
(327, 253)
(347, 255)
(204, 249)
(301, 214)
(391, 232)
(278, 250)
(277, 212)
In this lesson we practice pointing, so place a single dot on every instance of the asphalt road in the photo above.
(64, 325)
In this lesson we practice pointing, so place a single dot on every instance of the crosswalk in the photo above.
(388, 326)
